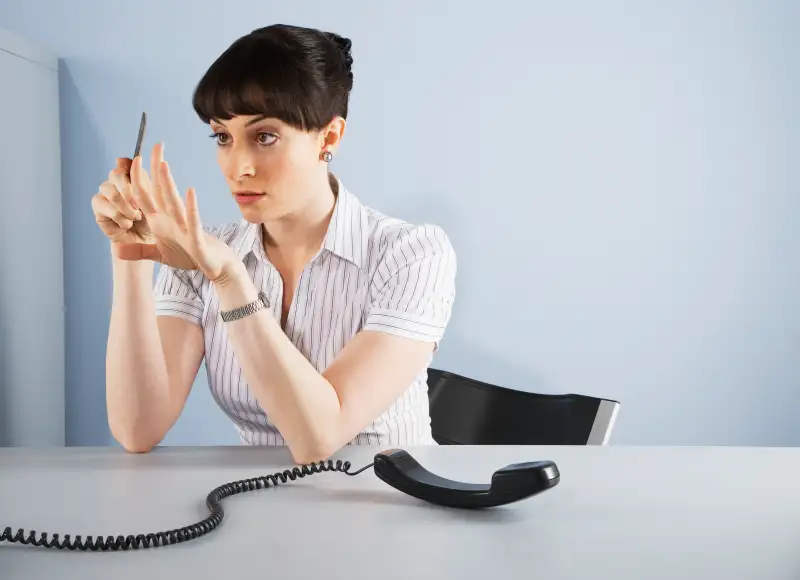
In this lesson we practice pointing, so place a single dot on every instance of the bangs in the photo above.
(249, 80)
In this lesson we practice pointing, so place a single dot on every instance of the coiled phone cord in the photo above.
(190, 532)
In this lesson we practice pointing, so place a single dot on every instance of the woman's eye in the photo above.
(219, 137)
(262, 138)
(266, 138)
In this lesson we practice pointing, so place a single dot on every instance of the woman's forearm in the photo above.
(301, 403)
(137, 385)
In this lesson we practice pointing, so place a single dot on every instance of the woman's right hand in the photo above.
(115, 209)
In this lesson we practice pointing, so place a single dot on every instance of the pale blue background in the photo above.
(619, 179)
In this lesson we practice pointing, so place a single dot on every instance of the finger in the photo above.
(121, 203)
(197, 235)
(124, 164)
(122, 181)
(156, 159)
(195, 224)
(173, 204)
(142, 188)
(110, 229)
(107, 214)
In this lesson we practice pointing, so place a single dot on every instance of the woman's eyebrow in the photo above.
(256, 120)
(251, 122)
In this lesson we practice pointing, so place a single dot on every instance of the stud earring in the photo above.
(326, 156)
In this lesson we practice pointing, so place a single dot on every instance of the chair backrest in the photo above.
(465, 411)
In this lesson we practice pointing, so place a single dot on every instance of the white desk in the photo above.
(619, 513)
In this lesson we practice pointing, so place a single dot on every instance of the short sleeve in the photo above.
(414, 285)
(175, 296)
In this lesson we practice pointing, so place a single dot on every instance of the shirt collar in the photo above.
(346, 237)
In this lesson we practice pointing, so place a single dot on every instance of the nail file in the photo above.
(140, 138)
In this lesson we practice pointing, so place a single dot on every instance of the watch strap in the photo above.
(259, 303)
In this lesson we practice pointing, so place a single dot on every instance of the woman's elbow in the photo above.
(314, 451)
(133, 444)
(308, 456)
(136, 447)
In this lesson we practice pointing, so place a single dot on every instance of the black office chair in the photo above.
(465, 411)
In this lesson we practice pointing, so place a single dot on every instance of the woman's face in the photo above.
(272, 169)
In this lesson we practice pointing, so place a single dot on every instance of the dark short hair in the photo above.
(301, 76)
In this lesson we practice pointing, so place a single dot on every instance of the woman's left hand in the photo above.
(180, 240)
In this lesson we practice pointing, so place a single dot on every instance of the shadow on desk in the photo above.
(266, 459)
(393, 498)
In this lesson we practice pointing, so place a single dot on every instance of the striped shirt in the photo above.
(373, 272)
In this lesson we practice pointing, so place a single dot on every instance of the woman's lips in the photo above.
(245, 197)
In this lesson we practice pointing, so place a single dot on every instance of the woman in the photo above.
(317, 316)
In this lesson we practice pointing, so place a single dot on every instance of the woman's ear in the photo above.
(333, 133)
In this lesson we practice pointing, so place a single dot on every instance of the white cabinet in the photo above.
(31, 247)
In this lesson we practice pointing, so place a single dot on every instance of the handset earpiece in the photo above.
(512, 483)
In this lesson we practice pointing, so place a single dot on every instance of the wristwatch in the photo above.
(259, 303)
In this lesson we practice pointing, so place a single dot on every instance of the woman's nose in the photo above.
(240, 167)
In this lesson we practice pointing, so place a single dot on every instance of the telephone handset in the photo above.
(509, 484)
(396, 467)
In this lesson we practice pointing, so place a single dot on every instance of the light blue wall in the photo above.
(619, 178)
